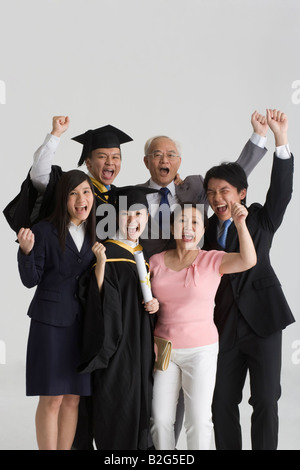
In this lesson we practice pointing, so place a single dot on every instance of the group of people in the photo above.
(90, 354)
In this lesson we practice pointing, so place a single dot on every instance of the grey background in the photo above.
(191, 69)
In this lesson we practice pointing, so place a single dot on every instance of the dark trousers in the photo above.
(262, 358)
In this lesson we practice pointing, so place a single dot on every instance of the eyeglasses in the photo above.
(158, 155)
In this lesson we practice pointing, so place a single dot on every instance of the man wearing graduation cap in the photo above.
(101, 153)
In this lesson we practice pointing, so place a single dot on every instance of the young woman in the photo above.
(185, 281)
(118, 334)
(52, 256)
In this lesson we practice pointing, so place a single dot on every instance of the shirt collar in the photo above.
(170, 186)
(91, 176)
(124, 240)
(77, 227)
(221, 222)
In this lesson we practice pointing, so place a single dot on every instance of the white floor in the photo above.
(17, 430)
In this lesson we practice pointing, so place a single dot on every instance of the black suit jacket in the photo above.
(256, 293)
(55, 274)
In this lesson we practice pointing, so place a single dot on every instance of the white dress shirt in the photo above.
(42, 162)
(154, 198)
(77, 232)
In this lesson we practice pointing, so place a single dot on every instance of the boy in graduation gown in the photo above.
(118, 333)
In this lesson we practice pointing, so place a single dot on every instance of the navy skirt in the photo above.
(53, 355)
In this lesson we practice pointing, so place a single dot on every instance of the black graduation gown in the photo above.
(118, 350)
(29, 206)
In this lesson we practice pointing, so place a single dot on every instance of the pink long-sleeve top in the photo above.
(186, 299)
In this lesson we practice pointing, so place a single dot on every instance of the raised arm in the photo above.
(43, 157)
(59, 125)
(252, 153)
(246, 258)
(260, 124)
(281, 183)
(278, 123)
(254, 149)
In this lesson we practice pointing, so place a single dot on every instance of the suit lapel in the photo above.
(212, 235)
(71, 244)
(86, 245)
(232, 238)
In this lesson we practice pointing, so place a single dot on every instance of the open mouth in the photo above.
(164, 171)
(188, 237)
(81, 210)
(132, 230)
(108, 174)
(221, 209)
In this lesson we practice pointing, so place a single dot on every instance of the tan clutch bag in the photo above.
(162, 348)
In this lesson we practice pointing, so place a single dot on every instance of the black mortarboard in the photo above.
(135, 195)
(103, 137)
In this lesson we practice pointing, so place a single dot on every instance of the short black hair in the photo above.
(233, 173)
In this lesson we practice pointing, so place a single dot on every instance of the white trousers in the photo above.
(193, 370)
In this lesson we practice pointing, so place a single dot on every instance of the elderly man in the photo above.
(163, 158)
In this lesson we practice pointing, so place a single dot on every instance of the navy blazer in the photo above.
(56, 274)
(256, 293)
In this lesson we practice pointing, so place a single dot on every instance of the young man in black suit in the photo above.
(250, 307)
